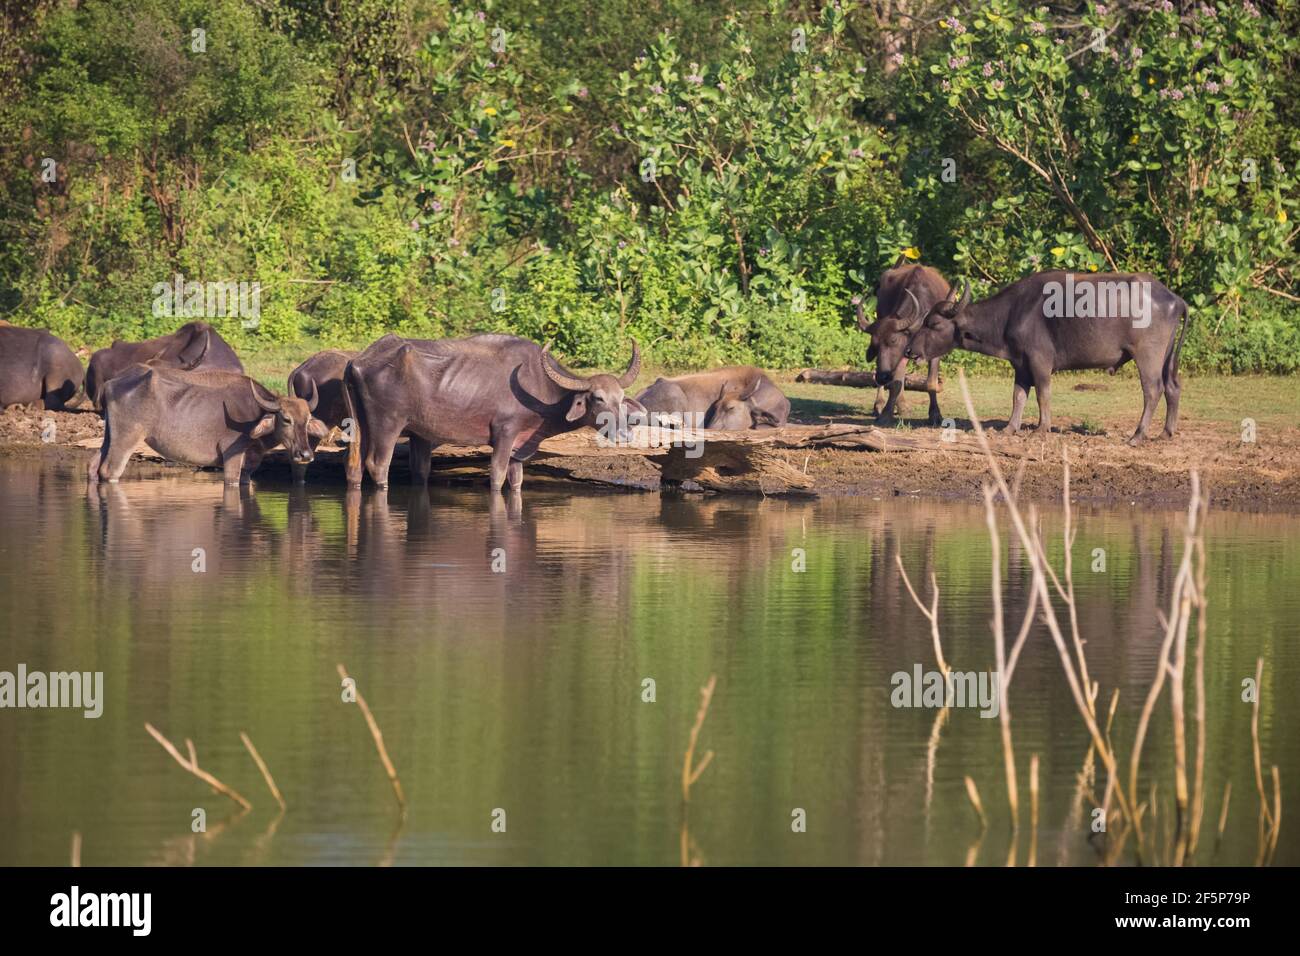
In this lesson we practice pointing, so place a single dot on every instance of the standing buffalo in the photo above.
(36, 366)
(323, 375)
(193, 345)
(730, 399)
(1055, 321)
(209, 418)
(904, 295)
(487, 389)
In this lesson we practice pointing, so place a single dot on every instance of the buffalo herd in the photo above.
(187, 396)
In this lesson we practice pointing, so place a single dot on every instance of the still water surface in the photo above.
(523, 690)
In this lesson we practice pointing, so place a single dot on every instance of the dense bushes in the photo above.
(719, 186)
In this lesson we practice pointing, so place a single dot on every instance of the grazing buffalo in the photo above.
(322, 374)
(36, 366)
(731, 399)
(210, 417)
(1055, 321)
(193, 345)
(496, 390)
(904, 296)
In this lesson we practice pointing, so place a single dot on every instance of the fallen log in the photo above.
(821, 376)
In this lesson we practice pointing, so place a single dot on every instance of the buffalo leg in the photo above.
(116, 450)
(895, 405)
(379, 451)
(1173, 388)
(1152, 388)
(515, 474)
(1019, 392)
(421, 450)
(932, 387)
(881, 397)
(232, 466)
(1043, 387)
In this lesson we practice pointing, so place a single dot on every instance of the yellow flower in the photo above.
(824, 158)
(1281, 215)
(943, 24)
(912, 252)
(1022, 47)
(1151, 81)
(490, 111)
(1132, 140)
(993, 17)
(508, 143)
(1058, 251)
(1092, 268)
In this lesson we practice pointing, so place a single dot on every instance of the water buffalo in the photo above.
(496, 390)
(732, 399)
(322, 373)
(904, 296)
(193, 345)
(208, 417)
(1053, 321)
(36, 366)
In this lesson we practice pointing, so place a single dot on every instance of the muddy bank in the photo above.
(1263, 475)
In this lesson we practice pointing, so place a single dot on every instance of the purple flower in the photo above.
(1208, 11)
(491, 65)
(622, 244)
(1084, 94)
(1250, 8)
(946, 86)
(998, 84)
(955, 26)
(480, 16)
(987, 69)
(1102, 9)
(657, 90)
(582, 93)
(695, 78)
(1211, 86)
(1167, 6)
(1038, 28)
(856, 153)
(897, 59)
(436, 206)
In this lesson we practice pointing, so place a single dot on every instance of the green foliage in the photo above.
(717, 184)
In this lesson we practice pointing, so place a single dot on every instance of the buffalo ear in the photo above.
(579, 407)
(264, 427)
(317, 428)
(763, 419)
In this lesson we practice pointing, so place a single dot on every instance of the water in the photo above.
(522, 691)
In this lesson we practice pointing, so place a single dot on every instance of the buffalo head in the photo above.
(599, 400)
(290, 421)
(904, 295)
(942, 330)
(733, 409)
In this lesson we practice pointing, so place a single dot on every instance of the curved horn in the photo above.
(311, 398)
(965, 297)
(263, 403)
(901, 260)
(193, 362)
(633, 369)
(916, 308)
(560, 378)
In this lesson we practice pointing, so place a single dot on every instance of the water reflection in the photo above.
(504, 644)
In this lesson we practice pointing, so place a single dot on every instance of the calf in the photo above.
(904, 295)
(208, 418)
(730, 399)
(323, 375)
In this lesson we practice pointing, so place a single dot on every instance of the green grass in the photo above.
(1111, 400)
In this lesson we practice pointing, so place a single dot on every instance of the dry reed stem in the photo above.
(266, 773)
(378, 735)
(973, 793)
(1033, 810)
(1081, 693)
(690, 773)
(1000, 656)
(193, 767)
(932, 615)
(1277, 815)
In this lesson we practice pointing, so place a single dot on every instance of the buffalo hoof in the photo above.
(935, 421)
(1167, 434)
(886, 421)
(1136, 440)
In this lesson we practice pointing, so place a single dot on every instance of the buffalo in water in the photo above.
(36, 366)
(729, 399)
(323, 374)
(1054, 321)
(210, 418)
(193, 345)
(496, 390)
(904, 296)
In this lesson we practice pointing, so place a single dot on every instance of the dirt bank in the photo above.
(1263, 475)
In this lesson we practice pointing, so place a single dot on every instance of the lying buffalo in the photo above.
(193, 345)
(732, 399)
(209, 417)
(36, 366)
(495, 390)
(1055, 321)
(904, 296)
(323, 375)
